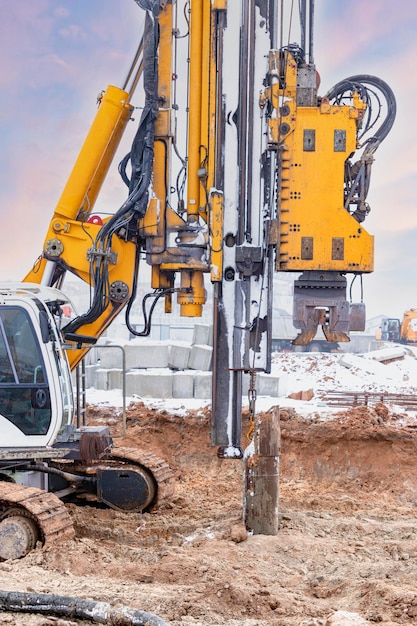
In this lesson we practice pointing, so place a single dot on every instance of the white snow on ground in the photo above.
(317, 371)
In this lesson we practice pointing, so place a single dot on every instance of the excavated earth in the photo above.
(347, 539)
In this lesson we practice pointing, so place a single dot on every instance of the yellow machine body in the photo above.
(409, 327)
(312, 195)
(263, 186)
(316, 232)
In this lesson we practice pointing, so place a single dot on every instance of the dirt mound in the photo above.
(347, 538)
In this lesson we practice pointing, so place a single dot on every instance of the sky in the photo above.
(57, 55)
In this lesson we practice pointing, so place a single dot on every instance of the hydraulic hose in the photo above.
(360, 82)
(78, 608)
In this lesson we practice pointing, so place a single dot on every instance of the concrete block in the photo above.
(156, 384)
(110, 355)
(179, 355)
(139, 354)
(99, 351)
(133, 380)
(200, 358)
(367, 366)
(101, 379)
(391, 353)
(202, 335)
(115, 378)
(183, 385)
(90, 375)
(108, 379)
(149, 383)
(274, 386)
(202, 385)
(118, 329)
(146, 354)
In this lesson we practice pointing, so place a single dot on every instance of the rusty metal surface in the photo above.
(262, 477)
(304, 338)
(49, 512)
(367, 398)
(334, 335)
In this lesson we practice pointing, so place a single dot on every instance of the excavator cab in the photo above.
(35, 382)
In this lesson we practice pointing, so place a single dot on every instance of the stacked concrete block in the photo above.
(149, 383)
(274, 386)
(99, 350)
(202, 335)
(115, 378)
(108, 379)
(90, 375)
(200, 358)
(133, 383)
(179, 355)
(156, 384)
(111, 355)
(101, 379)
(146, 354)
(93, 355)
(163, 383)
(202, 385)
(183, 385)
(139, 354)
(188, 376)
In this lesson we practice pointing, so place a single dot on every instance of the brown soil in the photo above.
(347, 538)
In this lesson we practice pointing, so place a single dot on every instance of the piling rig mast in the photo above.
(273, 177)
(263, 175)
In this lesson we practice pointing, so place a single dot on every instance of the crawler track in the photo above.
(46, 509)
(160, 470)
(155, 471)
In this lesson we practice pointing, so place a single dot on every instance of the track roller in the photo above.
(18, 535)
(29, 516)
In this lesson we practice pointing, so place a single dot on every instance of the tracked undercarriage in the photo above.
(122, 478)
(28, 516)
(126, 479)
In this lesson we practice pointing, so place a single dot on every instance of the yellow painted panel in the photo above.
(316, 232)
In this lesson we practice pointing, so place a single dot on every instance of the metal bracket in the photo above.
(320, 300)
(108, 255)
(249, 260)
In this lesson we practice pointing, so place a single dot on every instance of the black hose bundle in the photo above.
(124, 222)
(370, 88)
(378, 119)
(77, 608)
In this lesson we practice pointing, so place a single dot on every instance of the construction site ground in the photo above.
(346, 542)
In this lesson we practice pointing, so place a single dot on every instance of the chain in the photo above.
(252, 401)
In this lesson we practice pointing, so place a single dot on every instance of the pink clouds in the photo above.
(359, 32)
(53, 62)
(55, 57)
(73, 32)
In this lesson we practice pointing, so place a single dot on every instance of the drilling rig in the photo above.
(238, 169)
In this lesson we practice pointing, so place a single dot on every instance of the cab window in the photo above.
(24, 394)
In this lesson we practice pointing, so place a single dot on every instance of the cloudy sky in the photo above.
(57, 55)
